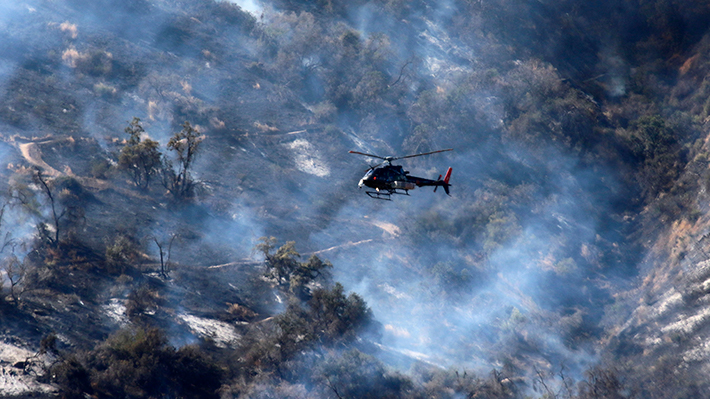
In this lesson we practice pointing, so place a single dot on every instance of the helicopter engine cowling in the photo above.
(404, 185)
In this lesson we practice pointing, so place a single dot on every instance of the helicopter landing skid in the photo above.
(386, 196)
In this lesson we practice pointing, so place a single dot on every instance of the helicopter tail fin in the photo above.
(445, 183)
(446, 180)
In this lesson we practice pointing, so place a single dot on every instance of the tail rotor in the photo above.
(444, 183)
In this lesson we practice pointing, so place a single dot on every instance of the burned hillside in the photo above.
(180, 215)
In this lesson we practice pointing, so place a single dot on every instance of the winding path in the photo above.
(33, 155)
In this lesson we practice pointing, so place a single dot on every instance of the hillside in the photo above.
(181, 216)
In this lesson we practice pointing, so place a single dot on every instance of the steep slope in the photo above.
(573, 236)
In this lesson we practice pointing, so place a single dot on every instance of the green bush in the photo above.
(139, 364)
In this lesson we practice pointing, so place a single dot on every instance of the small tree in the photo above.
(139, 158)
(56, 204)
(15, 272)
(121, 254)
(12, 270)
(306, 272)
(655, 145)
(185, 144)
(57, 215)
(284, 268)
(281, 264)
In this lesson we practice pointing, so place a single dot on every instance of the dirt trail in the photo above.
(33, 155)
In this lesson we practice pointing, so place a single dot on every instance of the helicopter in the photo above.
(393, 179)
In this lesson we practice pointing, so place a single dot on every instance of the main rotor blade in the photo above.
(367, 155)
(424, 153)
(373, 167)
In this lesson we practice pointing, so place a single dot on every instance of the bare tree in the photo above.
(15, 272)
(57, 215)
(165, 253)
(401, 73)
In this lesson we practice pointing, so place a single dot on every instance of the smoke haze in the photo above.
(515, 269)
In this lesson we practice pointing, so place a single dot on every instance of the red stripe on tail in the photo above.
(448, 176)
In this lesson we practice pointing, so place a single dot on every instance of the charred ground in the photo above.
(570, 261)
